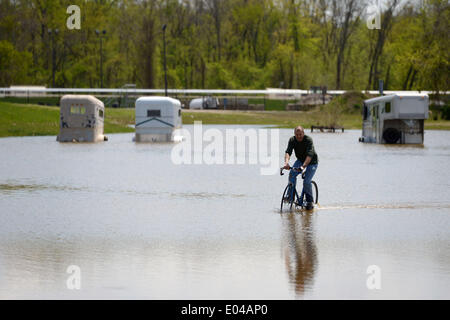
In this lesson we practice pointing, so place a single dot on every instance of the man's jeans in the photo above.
(307, 186)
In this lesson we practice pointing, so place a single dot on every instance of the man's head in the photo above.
(299, 133)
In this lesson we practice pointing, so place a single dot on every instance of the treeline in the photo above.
(225, 44)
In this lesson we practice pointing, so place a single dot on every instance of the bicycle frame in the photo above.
(294, 194)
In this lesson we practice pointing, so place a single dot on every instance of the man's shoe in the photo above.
(309, 206)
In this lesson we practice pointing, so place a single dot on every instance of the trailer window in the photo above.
(375, 111)
(77, 110)
(387, 107)
(153, 113)
(100, 113)
(179, 112)
(365, 112)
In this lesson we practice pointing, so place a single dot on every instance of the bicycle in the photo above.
(295, 198)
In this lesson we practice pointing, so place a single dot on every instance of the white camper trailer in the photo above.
(81, 119)
(204, 103)
(157, 118)
(397, 118)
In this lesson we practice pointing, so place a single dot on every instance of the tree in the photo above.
(380, 39)
(13, 65)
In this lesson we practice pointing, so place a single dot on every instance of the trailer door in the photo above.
(375, 123)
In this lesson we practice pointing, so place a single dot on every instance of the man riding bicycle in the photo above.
(306, 159)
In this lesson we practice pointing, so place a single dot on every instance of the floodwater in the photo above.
(138, 226)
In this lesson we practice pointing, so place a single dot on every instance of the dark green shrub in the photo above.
(445, 112)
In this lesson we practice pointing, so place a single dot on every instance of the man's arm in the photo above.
(288, 153)
(307, 161)
(286, 160)
(309, 153)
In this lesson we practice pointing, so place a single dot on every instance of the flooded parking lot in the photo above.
(138, 226)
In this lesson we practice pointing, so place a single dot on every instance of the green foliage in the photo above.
(14, 64)
(248, 75)
(340, 108)
(445, 112)
(223, 44)
(220, 78)
(351, 101)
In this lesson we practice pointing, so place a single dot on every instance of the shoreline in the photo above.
(19, 120)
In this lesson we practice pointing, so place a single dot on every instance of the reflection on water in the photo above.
(139, 226)
(11, 187)
(204, 195)
(300, 251)
(387, 206)
(403, 146)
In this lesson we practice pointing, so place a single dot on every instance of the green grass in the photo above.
(437, 124)
(271, 105)
(27, 120)
(44, 100)
(32, 120)
(117, 120)
(282, 119)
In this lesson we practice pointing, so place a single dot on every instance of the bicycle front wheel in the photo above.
(285, 194)
(315, 191)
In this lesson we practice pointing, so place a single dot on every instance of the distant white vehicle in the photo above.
(204, 103)
(397, 118)
(157, 118)
(23, 91)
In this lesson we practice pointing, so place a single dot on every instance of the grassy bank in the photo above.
(33, 120)
(282, 119)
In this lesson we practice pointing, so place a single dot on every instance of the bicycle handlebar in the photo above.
(297, 169)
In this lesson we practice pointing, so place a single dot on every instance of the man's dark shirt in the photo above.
(302, 149)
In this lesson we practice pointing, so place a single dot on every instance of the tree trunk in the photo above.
(413, 79)
(405, 83)
(148, 48)
(381, 38)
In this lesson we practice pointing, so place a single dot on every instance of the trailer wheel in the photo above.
(391, 135)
